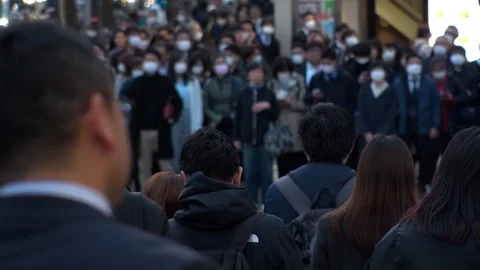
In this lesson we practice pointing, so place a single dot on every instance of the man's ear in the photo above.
(237, 177)
(184, 176)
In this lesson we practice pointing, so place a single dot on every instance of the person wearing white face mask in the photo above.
(358, 65)
(298, 55)
(191, 118)
(308, 24)
(376, 107)
(269, 44)
(289, 88)
(183, 43)
(418, 115)
(219, 26)
(199, 68)
(151, 122)
(451, 92)
(459, 68)
(333, 84)
(218, 93)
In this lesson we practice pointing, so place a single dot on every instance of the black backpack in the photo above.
(229, 253)
(304, 227)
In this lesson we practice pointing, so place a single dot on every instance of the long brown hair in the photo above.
(384, 191)
(164, 188)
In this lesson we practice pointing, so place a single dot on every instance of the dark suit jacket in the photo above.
(45, 233)
(143, 213)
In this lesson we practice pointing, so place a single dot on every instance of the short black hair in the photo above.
(234, 49)
(378, 64)
(156, 53)
(458, 49)
(211, 152)
(329, 54)
(253, 66)
(300, 45)
(282, 64)
(341, 27)
(327, 133)
(412, 55)
(47, 77)
(315, 45)
(362, 49)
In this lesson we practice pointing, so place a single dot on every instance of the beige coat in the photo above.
(291, 116)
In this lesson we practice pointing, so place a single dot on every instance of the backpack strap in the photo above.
(241, 233)
(293, 194)
(346, 191)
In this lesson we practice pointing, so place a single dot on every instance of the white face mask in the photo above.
(180, 68)
(222, 47)
(152, 20)
(310, 24)
(457, 59)
(258, 58)
(388, 55)
(268, 30)
(351, 41)
(414, 69)
(221, 69)
(297, 58)
(134, 41)
(197, 70)
(284, 77)
(438, 75)
(328, 69)
(91, 33)
(450, 38)
(143, 45)
(439, 50)
(230, 60)
(184, 45)
(377, 75)
(198, 36)
(221, 22)
(137, 73)
(150, 67)
(121, 68)
(362, 60)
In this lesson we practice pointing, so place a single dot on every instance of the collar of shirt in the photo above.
(312, 67)
(266, 39)
(416, 78)
(59, 189)
(305, 31)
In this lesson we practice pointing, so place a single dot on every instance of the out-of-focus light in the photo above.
(131, 1)
(28, 2)
(3, 22)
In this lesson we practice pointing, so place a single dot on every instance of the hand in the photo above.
(363, 78)
(433, 133)
(261, 106)
(288, 102)
(170, 121)
(237, 144)
(318, 95)
(368, 137)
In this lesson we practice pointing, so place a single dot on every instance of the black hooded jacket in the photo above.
(211, 209)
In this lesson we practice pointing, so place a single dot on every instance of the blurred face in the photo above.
(298, 50)
(442, 41)
(247, 28)
(226, 40)
(414, 60)
(374, 53)
(317, 38)
(308, 18)
(328, 62)
(120, 40)
(256, 76)
(313, 55)
(165, 34)
(452, 32)
(255, 13)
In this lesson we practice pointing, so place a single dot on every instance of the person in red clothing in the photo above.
(451, 93)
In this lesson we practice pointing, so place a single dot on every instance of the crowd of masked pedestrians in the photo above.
(196, 112)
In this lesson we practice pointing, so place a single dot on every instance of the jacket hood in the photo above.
(207, 204)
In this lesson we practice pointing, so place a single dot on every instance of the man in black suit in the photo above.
(65, 161)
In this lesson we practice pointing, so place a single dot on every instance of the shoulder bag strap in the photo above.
(293, 194)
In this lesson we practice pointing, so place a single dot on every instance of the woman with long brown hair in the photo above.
(384, 191)
(164, 188)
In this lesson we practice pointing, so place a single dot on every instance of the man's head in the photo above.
(327, 133)
(58, 111)
(151, 62)
(255, 73)
(314, 52)
(451, 33)
(213, 153)
(329, 61)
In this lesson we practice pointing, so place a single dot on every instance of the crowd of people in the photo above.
(223, 69)
(346, 121)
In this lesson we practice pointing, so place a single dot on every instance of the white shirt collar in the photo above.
(59, 189)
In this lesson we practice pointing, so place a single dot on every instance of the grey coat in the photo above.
(219, 98)
(291, 116)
